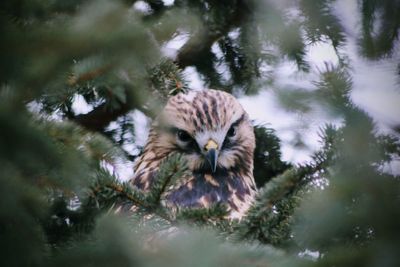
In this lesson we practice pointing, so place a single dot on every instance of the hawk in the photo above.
(213, 132)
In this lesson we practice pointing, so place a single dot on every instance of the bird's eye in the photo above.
(231, 132)
(183, 136)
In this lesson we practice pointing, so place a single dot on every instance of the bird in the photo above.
(214, 134)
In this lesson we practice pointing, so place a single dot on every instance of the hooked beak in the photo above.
(211, 149)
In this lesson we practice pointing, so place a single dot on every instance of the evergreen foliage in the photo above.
(61, 206)
(267, 156)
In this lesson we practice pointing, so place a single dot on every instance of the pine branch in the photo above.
(101, 116)
(192, 52)
(262, 218)
(134, 196)
(320, 21)
(108, 190)
(171, 169)
(203, 216)
(164, 80)
(269, 218)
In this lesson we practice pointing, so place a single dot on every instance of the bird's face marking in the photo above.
(189, 122)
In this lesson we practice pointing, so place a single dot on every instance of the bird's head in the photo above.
(210, 128)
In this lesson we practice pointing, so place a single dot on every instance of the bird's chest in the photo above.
(204, 190)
